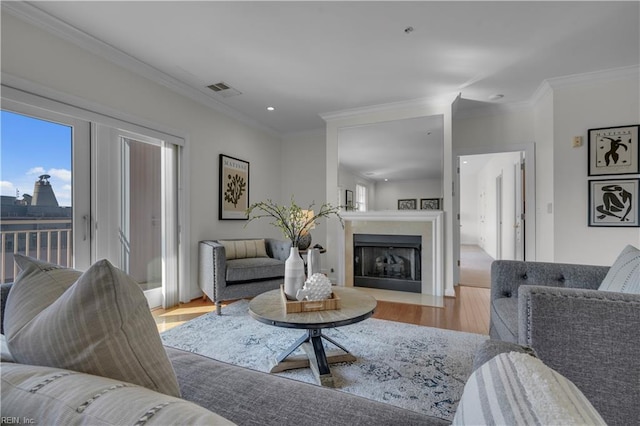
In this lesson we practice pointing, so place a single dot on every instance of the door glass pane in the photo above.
(36, 189)
(141, 214)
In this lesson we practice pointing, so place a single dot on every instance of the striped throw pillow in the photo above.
(243, 249)
(51, 396)
(624, 274)
(515, 388)
(97, 322)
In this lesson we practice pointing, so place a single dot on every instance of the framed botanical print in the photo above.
(234, 188)
(614, 151)
(614, 202)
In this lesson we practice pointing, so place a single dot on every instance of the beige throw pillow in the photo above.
(242, 249)
(97, 322)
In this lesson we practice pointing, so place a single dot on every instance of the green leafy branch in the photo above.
(292, 220)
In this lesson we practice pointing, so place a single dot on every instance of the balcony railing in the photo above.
(52, 245)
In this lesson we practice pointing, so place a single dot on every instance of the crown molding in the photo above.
(588, 77)
(441, 100)
(40, 19)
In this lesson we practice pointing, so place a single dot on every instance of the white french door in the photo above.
(134, 187)
(124, 195)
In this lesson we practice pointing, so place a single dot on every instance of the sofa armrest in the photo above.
(4, 294)
(212, 267)
(591, 337)
(508, 275)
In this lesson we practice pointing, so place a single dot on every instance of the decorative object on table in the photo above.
(614, 151)
(429, 203)
(293, 273)
(234, 189)
(317, 287)
(313, 261)
(614, 202)
(294, 222)
(408, 204)
(348, 200)
(296, 306)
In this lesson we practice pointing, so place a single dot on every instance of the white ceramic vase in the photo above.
(293, 274)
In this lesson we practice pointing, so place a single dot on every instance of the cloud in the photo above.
(62, 174)
(7, 188)
(36, 171)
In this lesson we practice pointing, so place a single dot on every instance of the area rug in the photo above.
(420, 368)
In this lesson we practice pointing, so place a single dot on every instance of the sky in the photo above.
(31, 147)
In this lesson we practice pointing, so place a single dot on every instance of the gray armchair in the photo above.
(591, 337)
(221, 279)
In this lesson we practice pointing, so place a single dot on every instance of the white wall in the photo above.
(469, 213)
(578, 108)
(303, 174)
(39, 57)
(388, 193)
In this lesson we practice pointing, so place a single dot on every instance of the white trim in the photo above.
(530, 213)
(445, 99)
(41, 19)
(588, 77)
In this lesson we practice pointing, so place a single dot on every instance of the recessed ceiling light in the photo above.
(465, 162)
(496, 97)
(270, 108)
(386, 180)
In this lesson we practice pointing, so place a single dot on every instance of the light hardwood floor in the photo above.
(468, 311)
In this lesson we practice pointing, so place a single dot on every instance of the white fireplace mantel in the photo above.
(395, 220)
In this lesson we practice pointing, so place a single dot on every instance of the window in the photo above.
(361, 198)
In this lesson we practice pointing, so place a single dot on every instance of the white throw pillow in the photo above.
(51, 396)
(624, 274)
(97, 322)
(516, 388)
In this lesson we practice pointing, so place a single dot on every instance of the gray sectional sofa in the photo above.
(213, 392)
(255, 267)
(590, 336)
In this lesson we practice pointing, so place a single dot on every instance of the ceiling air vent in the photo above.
(224, 90)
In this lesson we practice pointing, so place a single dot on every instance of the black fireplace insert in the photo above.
(391, 262)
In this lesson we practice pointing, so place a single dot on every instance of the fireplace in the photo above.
(391, 262)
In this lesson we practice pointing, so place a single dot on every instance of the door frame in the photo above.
(530, 208)
(23, 92)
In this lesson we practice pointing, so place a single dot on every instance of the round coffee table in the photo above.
(269, 308)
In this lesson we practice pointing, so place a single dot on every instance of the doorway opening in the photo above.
(492, 220)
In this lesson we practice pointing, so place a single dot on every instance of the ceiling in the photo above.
(308, 58)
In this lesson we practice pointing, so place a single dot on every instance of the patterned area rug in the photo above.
(419, 368)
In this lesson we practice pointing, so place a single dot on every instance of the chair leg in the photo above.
(218, 308)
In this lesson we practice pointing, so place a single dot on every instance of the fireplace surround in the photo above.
(425, 223)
